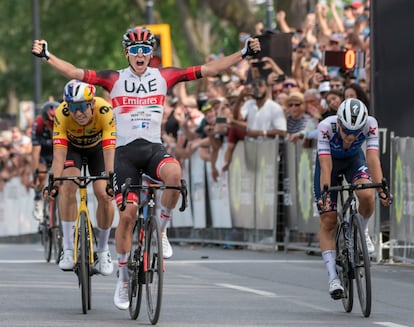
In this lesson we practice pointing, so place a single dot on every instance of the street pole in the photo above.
(36, 62)
(270, 15)
(149, 12)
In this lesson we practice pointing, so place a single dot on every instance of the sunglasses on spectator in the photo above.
(135, 49)
(81, 106)
(289, 85)
(347, 131)
(290, 105)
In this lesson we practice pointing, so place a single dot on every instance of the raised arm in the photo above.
(40, 49)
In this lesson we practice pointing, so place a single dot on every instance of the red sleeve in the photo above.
(104, 78)
(175, 75)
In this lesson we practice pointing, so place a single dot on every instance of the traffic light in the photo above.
(348, 59)
(163, 53)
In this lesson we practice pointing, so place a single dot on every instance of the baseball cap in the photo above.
(357, 4)
(295, 97)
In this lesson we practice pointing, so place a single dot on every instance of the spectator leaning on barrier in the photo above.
(297, 117)
(265, 118)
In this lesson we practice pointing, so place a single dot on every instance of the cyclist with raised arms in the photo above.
(138, 95)
(42, 151)
(339, 151)
(84, 126)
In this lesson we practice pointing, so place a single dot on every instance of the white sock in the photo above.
(123, 267)
(68, 228)
(165, 218)
(103, 237)
(364, 224)
(329, 258)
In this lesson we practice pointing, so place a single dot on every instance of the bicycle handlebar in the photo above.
(81, 181)
(353, 187)
(127, 186)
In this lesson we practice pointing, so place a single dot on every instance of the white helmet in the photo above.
(78, 91)
(352, 114)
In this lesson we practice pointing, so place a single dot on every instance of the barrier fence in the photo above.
(264, 200)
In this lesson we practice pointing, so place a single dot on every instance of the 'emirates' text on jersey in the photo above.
(330, 141)
(138, 101)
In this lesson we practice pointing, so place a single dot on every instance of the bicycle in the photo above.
(83, 254)
(146, 262)
(352, 258)
(50, 228)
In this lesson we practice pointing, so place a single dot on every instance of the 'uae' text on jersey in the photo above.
(138, 101)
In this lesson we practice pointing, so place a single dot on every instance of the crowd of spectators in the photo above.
(255, 99)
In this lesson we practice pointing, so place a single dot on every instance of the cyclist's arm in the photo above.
(36, 156)
(59, 157)
(63, 67)
(107, 120)
(214, 67)
(325, 162)
(374, 166)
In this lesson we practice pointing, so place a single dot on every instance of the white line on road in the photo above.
(389, 324)
(249, 290)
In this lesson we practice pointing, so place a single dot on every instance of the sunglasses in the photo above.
(289, 85)
(81, 106)
(135, 49)
(294, 105)
(347, 131)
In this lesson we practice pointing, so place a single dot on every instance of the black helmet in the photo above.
(48, 110)
(138, 35)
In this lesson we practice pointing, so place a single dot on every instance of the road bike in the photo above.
(146, 262)
(50, 228)
(352, 258)
(83, 254)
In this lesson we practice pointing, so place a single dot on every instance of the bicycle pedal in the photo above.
(337, 294)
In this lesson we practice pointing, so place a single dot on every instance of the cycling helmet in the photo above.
(138, 35)
(77, 91)
(48, 110)
(352, 114)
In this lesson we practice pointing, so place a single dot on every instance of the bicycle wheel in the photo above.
(83, 262)
(57, 234)
(362, 267)
(154, 274)
(344, 269)
(135, 283)
(46, 233)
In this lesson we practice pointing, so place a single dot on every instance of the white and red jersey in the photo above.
(330, 141)
(138, 101)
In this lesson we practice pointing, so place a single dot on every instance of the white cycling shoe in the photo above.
(103, 263)
(66, 260)
(167, 250)
(121, 300)
(335, 289)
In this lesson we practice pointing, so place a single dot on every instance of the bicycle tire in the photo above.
(83, 262)
(362, 267)
(154, 274)
(135, 270)
(344, 269)
(57, 233)
(46, 233)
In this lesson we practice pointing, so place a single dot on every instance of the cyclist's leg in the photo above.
(104, 211)
(327, 227)
(38, 187)
(125, 167)
(359, 173)
(68, 207)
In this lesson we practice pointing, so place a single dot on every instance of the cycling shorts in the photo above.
(94, 155)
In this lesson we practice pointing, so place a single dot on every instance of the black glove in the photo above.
(44, 54)
(247, 51)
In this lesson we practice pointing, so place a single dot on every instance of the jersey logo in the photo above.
(325, 134)
(372, 130)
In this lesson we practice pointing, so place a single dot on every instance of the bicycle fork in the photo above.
(83, 208)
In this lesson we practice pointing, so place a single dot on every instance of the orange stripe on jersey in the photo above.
(108, 144)
(60, 142)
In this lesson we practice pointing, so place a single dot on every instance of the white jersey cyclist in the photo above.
(138, 101)
(331, 143)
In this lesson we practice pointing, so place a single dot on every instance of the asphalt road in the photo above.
(204, 286)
